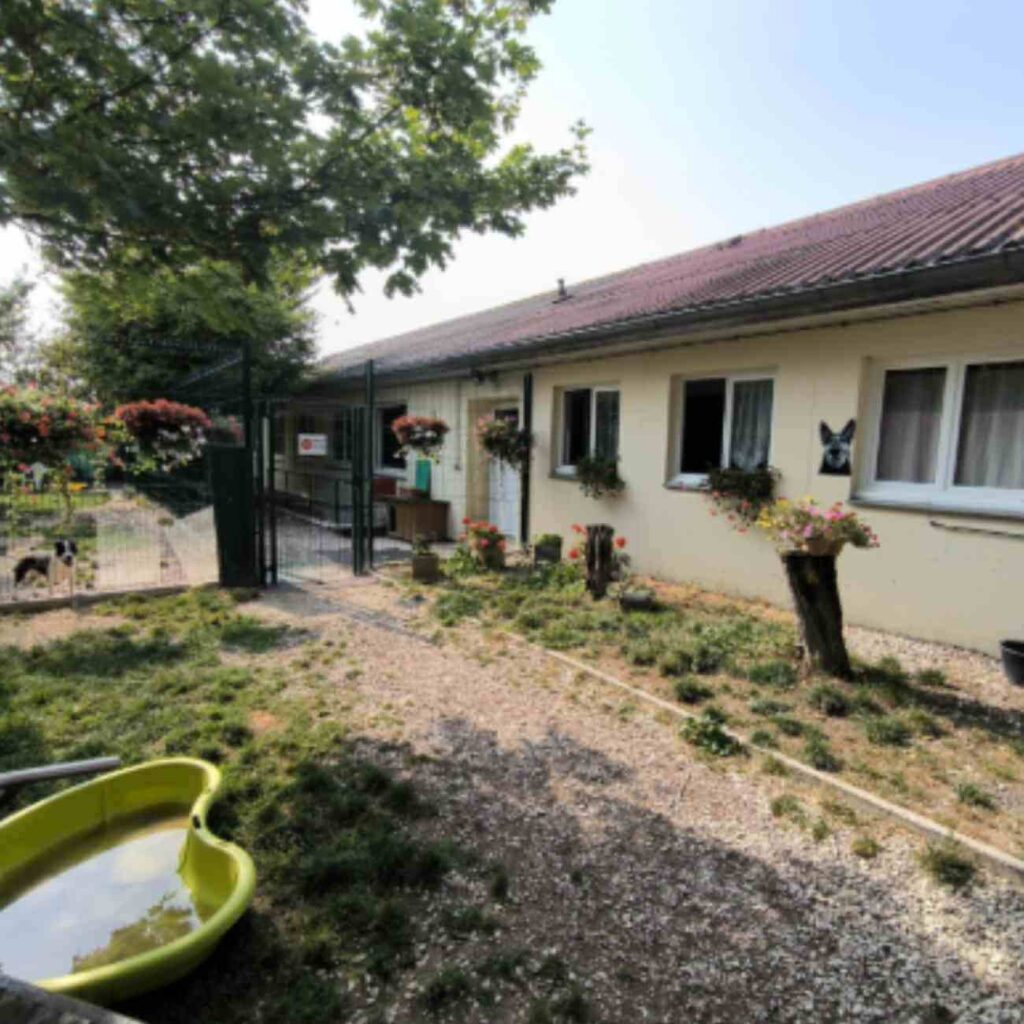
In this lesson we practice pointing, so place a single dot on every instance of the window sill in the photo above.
(564, 473)
(941, 506)
(696, 483)
(389, 471)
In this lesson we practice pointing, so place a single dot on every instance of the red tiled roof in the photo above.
(974, 213)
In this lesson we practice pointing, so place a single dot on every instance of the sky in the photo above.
(709, 120)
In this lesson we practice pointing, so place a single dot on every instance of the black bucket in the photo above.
(1013, 660)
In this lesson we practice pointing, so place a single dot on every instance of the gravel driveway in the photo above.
(662, 880)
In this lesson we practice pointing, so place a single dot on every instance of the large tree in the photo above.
(134, 331)
(183, 131)
(18, 343)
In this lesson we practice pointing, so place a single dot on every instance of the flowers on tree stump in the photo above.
(805, 527)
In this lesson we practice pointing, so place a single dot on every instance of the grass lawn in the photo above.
(915, 740)
(346, 873)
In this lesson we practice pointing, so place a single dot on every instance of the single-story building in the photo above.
(899, 318)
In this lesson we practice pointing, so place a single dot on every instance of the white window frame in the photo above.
(699, 481)
(567, 469)
(378, 433)
(943, 495)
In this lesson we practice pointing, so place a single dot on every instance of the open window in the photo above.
(947, 433)
(590, 426)
(390, 459)
(724, 422)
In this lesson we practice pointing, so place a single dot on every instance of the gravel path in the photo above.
(663, 881)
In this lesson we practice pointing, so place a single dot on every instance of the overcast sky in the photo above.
(711, 119)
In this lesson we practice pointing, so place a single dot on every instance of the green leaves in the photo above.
(222, 130)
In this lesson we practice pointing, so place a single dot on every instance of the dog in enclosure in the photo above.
(55, 568)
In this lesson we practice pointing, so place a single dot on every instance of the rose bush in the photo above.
(484, 542)
(162, 435)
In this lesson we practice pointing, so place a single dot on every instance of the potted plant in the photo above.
(503, 441)
(809, 538)
(547, 548)
(598, 476)
(421, 434)
(742, 493)
(426, 564)
(1013, 660)
(485, 543)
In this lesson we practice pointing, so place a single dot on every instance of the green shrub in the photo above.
(676, 661)
(444, 989)
(820, 830)
(974, 796)
(819, 755)
(780, 674)
(689, 691)
(788, 726)
(764, 738)
(787, 806)
(865, 847)
(886, 670)
(761, 706)
(931, 677)
(641, 651)
(829, 700)
(924, 724)
(706, 732)
(773, 766)
(887, 731)
(455, 605)
(948, 866)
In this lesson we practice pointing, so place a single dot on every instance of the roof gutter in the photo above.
(950, 277)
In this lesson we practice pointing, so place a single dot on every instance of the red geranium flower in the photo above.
(574, 553)
(620, 542)
(576, 528)
(466, 520)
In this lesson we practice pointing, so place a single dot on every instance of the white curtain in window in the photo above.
(751, 432)
(991, 449)
(908, 445)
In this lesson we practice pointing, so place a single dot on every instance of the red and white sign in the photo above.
(312, 444)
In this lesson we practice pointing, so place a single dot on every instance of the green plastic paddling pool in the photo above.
(116, 886)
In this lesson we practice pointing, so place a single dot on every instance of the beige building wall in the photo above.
(460, 475)
(928, 579)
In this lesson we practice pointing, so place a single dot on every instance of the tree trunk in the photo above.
(812, 582)
(600, 559)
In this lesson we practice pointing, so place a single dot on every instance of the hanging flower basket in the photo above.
(741, 494)
(423, 435)
(163, 435)
(503, 441)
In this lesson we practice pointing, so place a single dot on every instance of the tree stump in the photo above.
(600, 559)
(812, 582)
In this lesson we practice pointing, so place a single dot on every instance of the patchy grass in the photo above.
(865, 847)
(974, 796)
(345, 869)
(707, 734)
(899, 733)
(948, 866)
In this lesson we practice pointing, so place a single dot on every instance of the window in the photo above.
(341, 436)
(388, 455)
(590, 425)
(306, 424)
(948, 434)
(725, 421)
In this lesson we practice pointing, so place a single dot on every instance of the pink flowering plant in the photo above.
(805, 527)
(484, 542)
(421, 434)
(162, 435)
(503, 441)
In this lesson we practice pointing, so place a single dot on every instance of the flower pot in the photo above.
(640, 600)
(819, 547)
(547, 553)
(1013, 660)
(426, 568)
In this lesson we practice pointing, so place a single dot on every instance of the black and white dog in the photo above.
(835, 459)
(55, 568)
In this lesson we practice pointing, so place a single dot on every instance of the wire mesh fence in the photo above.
(111, 539)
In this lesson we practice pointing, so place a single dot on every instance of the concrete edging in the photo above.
(1003, 863)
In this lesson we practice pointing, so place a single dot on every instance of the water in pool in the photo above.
(98, 900)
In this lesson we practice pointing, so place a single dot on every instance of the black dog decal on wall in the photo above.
(835, 459)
